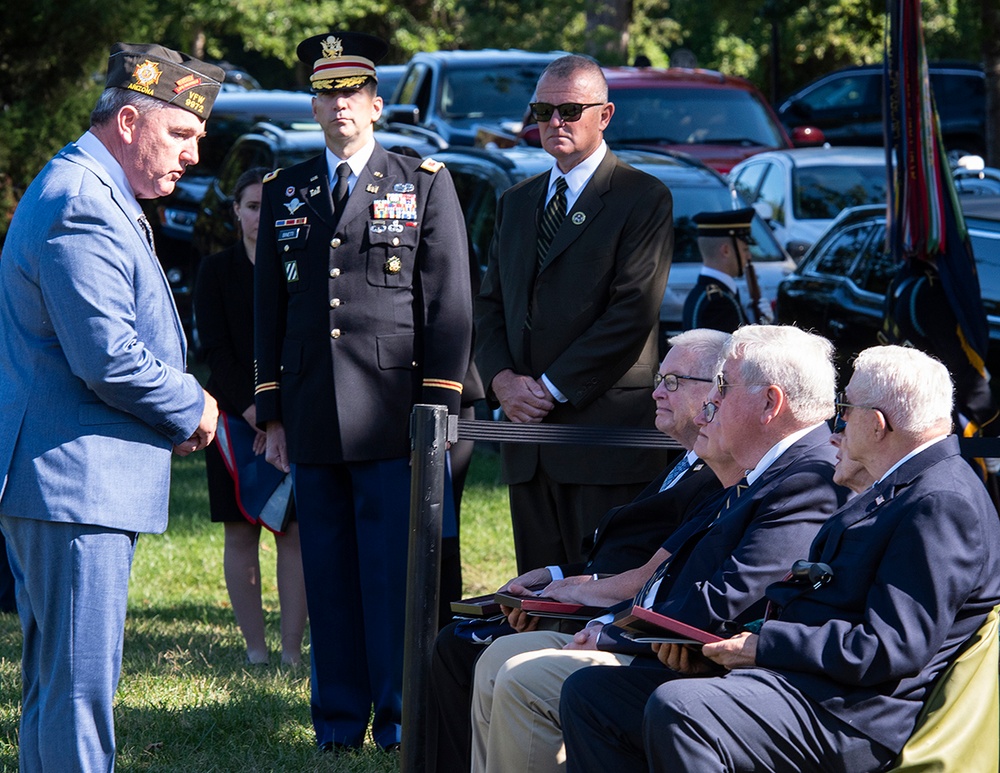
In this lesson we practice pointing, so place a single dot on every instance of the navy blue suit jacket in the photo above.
(629, 534)
(720, 567)
(916, 569)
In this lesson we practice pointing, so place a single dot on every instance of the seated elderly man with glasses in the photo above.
(770, 414)
(838, 670)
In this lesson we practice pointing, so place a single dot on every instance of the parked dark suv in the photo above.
(839, 288)
(454, 92)
(847, 106)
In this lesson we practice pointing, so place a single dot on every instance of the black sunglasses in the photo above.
(568, 111)
(843, 407)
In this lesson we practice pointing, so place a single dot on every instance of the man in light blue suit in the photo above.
(93, 394)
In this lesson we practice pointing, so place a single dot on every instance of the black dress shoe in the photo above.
(392, 748)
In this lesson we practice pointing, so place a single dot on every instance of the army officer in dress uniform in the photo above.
(363, 309)
(714, 301)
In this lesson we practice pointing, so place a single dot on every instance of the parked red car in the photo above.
(719, 119)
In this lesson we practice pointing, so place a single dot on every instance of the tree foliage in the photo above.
(52, 52)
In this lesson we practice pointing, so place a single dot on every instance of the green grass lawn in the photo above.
(186, 702)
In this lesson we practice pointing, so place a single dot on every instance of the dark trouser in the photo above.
(449, 728)
(750, 720)
(551, 519)
(354, 528)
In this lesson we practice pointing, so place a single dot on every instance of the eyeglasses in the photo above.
(709, 409)
(568, 111)
(843, 407)
(671, 381)
(722, 385)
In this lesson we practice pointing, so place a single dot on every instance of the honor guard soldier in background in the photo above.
(363, 308)
(723, 239)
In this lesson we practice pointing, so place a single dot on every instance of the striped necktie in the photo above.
(678, 469)
(148, 230)
(552, 217)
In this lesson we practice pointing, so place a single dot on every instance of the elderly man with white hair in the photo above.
(839, 669)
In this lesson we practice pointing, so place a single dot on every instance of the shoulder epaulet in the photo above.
(432, 166)
(271, 175)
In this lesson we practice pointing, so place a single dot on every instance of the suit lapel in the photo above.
(867, 504)
(316, 192)
(584, 210)
(122, 201)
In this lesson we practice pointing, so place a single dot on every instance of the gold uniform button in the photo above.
(334, 273)
(334, 303)
(335, 333)
(336, 242)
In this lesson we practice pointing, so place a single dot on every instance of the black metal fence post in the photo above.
(429, 436)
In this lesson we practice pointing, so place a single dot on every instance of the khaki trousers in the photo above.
(515, 701)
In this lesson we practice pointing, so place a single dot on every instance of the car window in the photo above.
(748, 180)
(489, 92)
(243, 156)
(876, 266)
(416, 88)
(985, 238)
(839, 254)
(959, 93)
(852, 90)
(773, 192)
(821, 192)
(688, 202)
(677, 116)
(477, 193)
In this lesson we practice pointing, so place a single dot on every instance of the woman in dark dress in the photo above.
(223, 303)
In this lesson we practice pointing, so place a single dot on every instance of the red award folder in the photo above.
(645, 625)
(539, 606)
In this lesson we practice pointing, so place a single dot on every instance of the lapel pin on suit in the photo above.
(578, 218)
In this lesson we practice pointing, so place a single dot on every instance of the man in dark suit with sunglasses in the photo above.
(566, 321)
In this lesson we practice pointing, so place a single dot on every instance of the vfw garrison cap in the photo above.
(734, 222)
(161, 73)
(341, 60)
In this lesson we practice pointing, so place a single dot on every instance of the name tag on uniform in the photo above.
(287, 234)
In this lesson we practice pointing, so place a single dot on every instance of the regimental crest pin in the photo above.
(578, 218)
(293, 205)
(289, 191)
(371, 188)
(393, 265)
